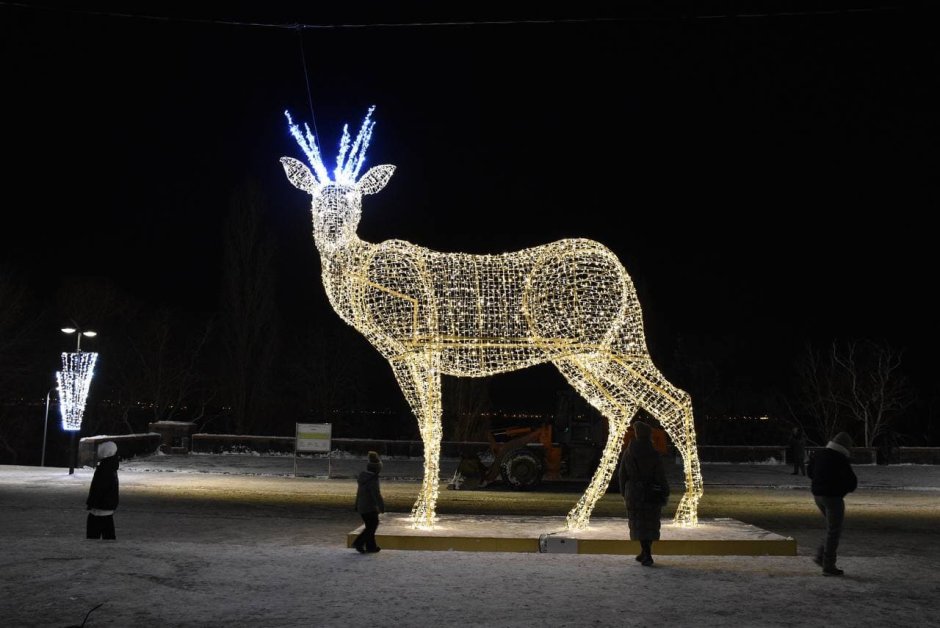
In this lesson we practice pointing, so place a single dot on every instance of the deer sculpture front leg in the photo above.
(577, 518)
(586, 376)
(420, 379)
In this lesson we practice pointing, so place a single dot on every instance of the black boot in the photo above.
(646, 555)
(830, 569)
(829, 565)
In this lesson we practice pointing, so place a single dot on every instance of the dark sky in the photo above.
(765, 180)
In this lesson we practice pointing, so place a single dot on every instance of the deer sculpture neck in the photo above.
(570, 303)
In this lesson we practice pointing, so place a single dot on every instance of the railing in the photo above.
(774, 453)
(218, 443)
(129, 445)
(138, 444)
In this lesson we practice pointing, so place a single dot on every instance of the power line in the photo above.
(303, 57)
(679, 15)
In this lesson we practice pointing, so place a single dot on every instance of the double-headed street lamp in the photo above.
(73, 382)
(78, 336)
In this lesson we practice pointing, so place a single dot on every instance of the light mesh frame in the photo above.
(429, 314)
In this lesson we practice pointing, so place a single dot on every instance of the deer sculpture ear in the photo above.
(300, 175)
(374, 180)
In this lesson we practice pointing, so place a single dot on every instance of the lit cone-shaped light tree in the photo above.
(429, 314)
(74, 381)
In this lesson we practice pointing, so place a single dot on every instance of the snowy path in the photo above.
(226, 550)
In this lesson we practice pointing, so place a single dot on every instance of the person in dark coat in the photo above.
(798, 451)
(103, 495)
(640, 467)
(369, 504)
(833, 478)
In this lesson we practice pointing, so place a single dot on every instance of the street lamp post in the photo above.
(45, 429)
(78, 349)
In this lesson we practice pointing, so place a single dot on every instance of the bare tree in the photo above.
(857, 380)
(94, 302)
(816, 394)
(16, 328)
(170, 363)
(326, 375)
(872, 389)
(249, 329)
(158, 365)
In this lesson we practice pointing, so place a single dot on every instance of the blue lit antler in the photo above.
(350, 159)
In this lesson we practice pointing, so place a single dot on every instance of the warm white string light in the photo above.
(73, 381)
(429, 314)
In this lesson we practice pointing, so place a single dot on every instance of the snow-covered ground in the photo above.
(236, 546)
(341, 465)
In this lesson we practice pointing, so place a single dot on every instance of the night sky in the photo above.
(765, 180)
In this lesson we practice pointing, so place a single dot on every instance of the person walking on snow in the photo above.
(833, 478)
(369, 504)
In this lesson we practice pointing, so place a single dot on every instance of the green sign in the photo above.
(314, 436)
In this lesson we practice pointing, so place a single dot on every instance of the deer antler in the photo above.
(309, 146)
(348, 172)
(349, 160)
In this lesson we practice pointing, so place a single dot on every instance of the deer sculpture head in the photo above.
(337, 200)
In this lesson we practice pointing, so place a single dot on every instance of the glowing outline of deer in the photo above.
(430, 314)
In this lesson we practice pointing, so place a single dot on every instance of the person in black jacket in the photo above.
(833, 478)
(369, 504)
(641, 467)
(103, 495)
(798, 451)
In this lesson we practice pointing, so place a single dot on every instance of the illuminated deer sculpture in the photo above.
(429, 314)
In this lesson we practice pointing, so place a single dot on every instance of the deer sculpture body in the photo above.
(430, 314)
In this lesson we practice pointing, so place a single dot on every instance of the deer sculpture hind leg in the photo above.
(420, 381)
(589, 378)
(673, 409)
(616, 385)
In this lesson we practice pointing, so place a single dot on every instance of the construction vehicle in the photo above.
(523, 454)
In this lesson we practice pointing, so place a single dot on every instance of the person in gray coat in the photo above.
(641, 469)
(369, 504)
